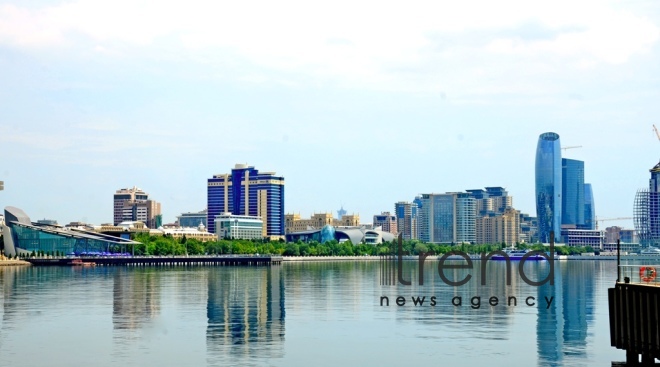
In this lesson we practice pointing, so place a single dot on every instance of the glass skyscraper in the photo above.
(572, 205)
(589, 208)
(246, 191)
(548, 186)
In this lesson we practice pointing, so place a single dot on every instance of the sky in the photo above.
(355, 103)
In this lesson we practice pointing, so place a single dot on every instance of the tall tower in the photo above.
(572, 204)
(548, 186)
(589, 208)
(246, 191)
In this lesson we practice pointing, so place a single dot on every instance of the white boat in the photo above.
(517, 255)
(650, 251)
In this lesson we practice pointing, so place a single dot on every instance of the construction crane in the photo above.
(572, 147)
(656, 131)
(608, 219)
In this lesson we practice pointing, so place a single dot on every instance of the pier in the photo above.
(634, 305)
(226, 260)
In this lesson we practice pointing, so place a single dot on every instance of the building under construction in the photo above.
(647, 211)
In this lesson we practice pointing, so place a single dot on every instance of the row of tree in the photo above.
(167, 245)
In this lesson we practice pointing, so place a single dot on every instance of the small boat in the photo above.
(517, 255)
(650, 251)
(79, 262)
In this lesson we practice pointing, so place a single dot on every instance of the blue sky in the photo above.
(357, 103)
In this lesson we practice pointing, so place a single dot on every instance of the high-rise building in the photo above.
(406, 219)
(499, 228)
(589, 208)
(386, 221)
(133, 204)
(548, 186)
(246, 191)
(572, 204)
(448, 218)
(647, 211)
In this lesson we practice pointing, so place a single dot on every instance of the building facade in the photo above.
(499, 228)
(23, 237)
(133, 204)
(573, 202)
(193, 219)
(646, 211)
(448, 218)
(589, 208)
(387, 222)
(406, 219)
(548, 182)
(246, 191)
(244, 227)
(294, 223)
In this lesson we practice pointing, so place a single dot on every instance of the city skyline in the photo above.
(454, 95)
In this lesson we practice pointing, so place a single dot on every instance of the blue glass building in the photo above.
(548, 186)
(572, 204)
(22, 236)
(246, 191)
(589, 208)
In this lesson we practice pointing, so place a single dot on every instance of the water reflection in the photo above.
(245, 311)
(136, 298)
(562, 330)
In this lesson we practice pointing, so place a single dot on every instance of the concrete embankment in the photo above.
(472, 257)
(14, 263)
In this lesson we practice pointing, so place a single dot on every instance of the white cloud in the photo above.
(364, 43)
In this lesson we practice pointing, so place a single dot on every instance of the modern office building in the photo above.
(133, 204)
(22, 236)
(614, 233)
(646, 211)
(386, 221)
(193, 219)
(589, 208)
(573, 202)
(407, 219)
(448, 218)
(548, 186)
(246, 191)
(243, 227)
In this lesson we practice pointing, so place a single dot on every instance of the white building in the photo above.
(244, 227)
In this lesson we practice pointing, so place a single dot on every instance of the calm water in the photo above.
(302, 314)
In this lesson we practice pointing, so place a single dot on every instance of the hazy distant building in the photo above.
(528, 229)
(407, 219)
(133, 204)
(341, 212)
(386, 221)
(614, 233)
(246, 191)
(193, 219)
(548, 172)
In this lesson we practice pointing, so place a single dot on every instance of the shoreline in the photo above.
(472, 257)
(14, 263)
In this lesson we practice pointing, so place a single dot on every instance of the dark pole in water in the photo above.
(618, 260)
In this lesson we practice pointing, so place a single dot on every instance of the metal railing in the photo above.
(640, 274)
